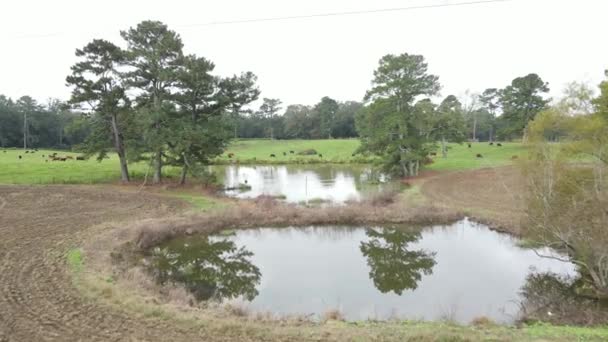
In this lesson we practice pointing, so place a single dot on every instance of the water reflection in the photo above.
(393, 266)
(208, 269)
(332, 183)
(461, 271)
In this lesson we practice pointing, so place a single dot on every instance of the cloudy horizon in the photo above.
(470, 47)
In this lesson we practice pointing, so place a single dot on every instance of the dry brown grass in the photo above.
(269, 213)
(492, 196)
(482, 321)
(333, 315)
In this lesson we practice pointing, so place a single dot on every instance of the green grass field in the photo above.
(35, 169)
(258, 151)
(461, 157)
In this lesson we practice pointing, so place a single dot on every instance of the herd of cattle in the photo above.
(55, 157)
(51, 157)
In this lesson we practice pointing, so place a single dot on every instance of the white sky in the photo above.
(299, 61)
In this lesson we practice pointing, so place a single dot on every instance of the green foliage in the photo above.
(601, 102)
(326, 110)
(393, 266)
(566, 203)
(520, 102)
(236, 92)
(97, 83)
(269, 111)
(403, 132)
(51, 125)
(75, 260)
(209, 269)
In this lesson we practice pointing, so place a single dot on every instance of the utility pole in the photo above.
(25, 130)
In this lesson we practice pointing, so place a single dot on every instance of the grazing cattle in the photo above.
(80, 158)
(27, 151)
(469, 144)
(19, 156)
(499, 144)
(479, 155)
(272, 155)
(434, 154)
(284, 153)
(320, 155)
(63, 158)
(69, 157)
(292, 152)
(514, 157)
(491, 143)
(230, 155)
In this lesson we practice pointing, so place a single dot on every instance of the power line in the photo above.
(336, 14)
(296, 17)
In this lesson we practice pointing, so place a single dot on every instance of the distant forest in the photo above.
(55, 124)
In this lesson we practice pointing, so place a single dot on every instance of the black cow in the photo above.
(479, 155)
(272, 156)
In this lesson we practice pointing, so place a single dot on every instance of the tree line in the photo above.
(325, 120)
(26, 123)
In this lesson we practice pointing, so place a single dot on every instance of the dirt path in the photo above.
(37, 299)
(491, 195)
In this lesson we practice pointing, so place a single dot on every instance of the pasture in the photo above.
(259, 151)
(36, 168)
(461, 157)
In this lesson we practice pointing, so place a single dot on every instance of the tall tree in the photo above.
(387, 126)
(238, 91)
(601, 102)
(490, 103)
(97, 82)
(28, 107)
(200, 133)
(270, 108)
(521, 101)
(450, 125)
(344, 122)
(326, 111)
(155, 53)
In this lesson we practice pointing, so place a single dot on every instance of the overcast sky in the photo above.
(469, 47)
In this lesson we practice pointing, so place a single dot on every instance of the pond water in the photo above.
(457, 272)
(298, 183)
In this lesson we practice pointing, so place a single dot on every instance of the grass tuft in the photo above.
(75, 260)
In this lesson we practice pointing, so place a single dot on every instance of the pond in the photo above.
(298, 183)
(456, 272)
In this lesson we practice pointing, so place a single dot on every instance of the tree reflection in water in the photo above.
(393, 267)
(208, 269)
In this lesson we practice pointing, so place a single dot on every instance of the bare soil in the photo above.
(38, 225)
(492, 196)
